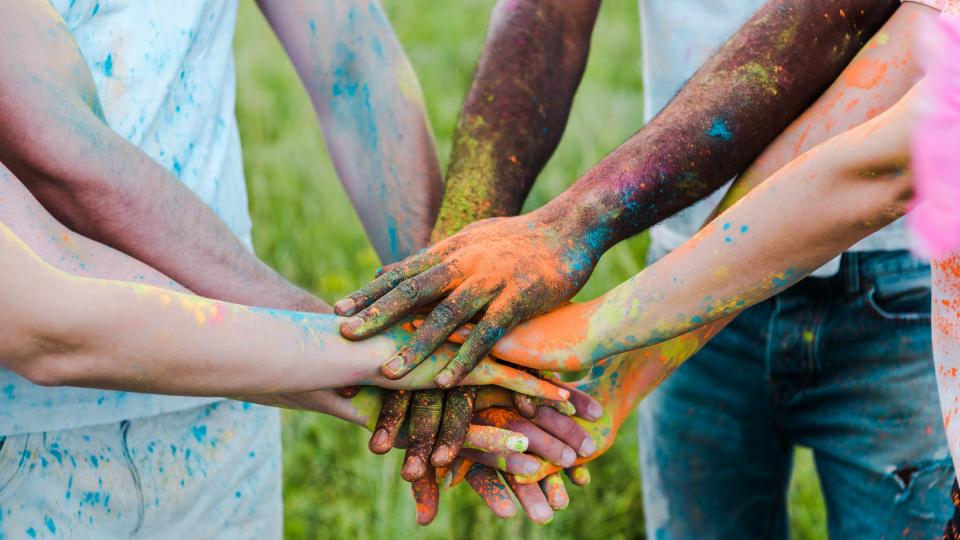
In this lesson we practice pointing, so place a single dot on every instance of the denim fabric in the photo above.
(842, 365)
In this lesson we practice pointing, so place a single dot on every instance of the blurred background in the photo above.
(333, 486)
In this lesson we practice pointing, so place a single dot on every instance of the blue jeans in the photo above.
(842, 365)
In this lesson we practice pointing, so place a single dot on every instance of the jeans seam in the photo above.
(767, 360)
(877, 311)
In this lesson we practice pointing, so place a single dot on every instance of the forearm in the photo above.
(101, 185)
(372, 113)
(149, 339)
(857, 182)
(804, 215)
(516, 108)
(742, 98)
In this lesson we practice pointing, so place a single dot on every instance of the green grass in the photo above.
(305, 227)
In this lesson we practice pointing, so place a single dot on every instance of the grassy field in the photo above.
(305, 227)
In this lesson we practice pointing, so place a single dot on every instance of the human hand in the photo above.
(551, 437)
(510, 268)
(555, 341)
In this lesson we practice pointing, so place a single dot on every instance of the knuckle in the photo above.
(409, 289)
(443, 314)
(393, 275)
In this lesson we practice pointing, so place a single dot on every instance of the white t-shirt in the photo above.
(678, 37)
(165, 73)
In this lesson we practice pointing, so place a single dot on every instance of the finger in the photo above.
(493, 439)
(384, 283)
(586, 405)
(426, 408)
(458, 471)
(457, 411)
(525, 405)
(567, 430)
(458, 336)
(484, 335)
(563, 407)
(493, 396)
(392, 413)
(426, 494)
(486, 482)
(579, 475)
(508, 462)
(532, 499)
(462, 304)
(542, 443)
(348, 391)
(420, 290)
(556, 493)
(490, 372)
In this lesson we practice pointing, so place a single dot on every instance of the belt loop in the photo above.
(851, 273)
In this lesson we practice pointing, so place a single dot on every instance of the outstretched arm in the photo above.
(856, 181)
(77, 331)
(54, 137)
(726, 114)
(803, 216)
(371, 110)
(516, 108)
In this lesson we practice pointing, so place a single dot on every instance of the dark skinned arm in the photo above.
(512, 121)
(490, 176)
(515, 268)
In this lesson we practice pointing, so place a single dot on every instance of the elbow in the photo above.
(892, 187)
(45, 370)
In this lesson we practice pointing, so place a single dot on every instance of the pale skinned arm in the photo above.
(56, 141)
(116, 335)
(371, 109)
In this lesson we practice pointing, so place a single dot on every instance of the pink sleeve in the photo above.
(935, 4)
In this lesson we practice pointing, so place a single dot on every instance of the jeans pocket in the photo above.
(901, 297)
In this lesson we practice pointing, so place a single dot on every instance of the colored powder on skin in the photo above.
(756, 73)
(470, 195)
(719, 130)
(864, 73)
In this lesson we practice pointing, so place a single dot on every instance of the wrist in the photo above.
(588, 225)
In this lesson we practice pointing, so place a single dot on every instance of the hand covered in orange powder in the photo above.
(619, 383)
(511, 269)
(494, 475)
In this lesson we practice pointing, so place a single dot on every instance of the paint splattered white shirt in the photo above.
(165, 73)
(678, 36)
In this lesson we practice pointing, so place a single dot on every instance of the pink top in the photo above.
(935, 4)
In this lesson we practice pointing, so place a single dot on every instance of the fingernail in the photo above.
(563, 393)
(344, 307)
(413, 469)
(568, 457)
(350, 325)
(517, 443)
(595, 410)
(581, 476)
(441, 456)
(504, 508)
(392, 368)
(530, 466)
(588, 447)
(444, 379)
(378, 441)
(541, 512)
